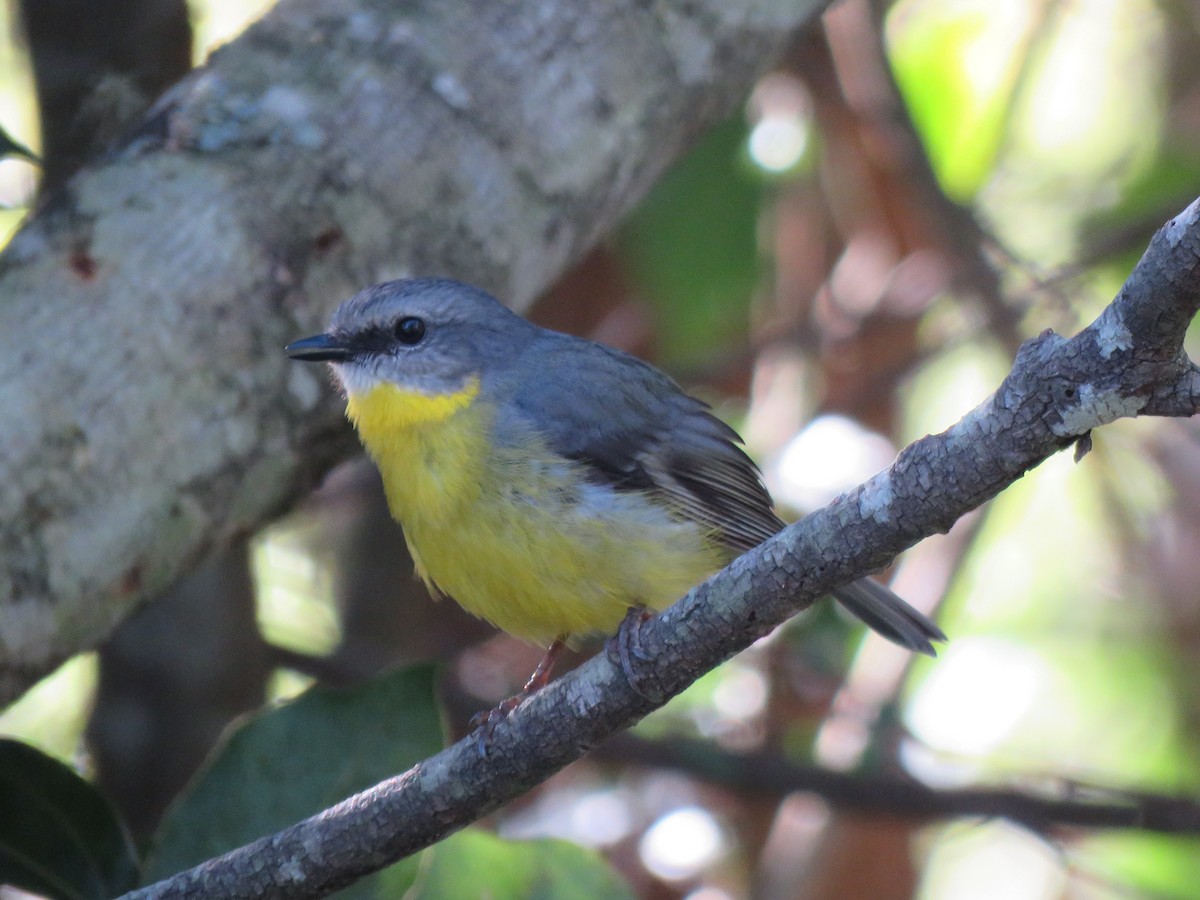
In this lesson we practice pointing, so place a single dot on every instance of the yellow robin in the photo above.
(546, 482)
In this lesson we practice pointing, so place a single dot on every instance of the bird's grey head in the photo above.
(430, 335)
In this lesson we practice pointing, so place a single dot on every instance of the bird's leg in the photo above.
(541, 675)
(624, 648)
(485, 722)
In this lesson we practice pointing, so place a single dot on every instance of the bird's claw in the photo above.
(624, 649)
(483, 724)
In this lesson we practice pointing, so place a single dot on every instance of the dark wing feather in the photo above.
(700, 470)
(635, 429)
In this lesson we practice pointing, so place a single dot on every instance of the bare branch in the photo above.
(1058, 390)
(1072, 805)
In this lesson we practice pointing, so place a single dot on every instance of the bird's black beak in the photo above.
(319, 348)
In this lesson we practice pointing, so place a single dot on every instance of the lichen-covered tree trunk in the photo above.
(146, 413)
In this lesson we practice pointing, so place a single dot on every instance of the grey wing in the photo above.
(701, 469)
(635, 429)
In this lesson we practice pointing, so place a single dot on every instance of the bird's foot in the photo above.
(483, 724)
(624, 649)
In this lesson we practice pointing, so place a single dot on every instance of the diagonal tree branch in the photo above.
(1128, 362)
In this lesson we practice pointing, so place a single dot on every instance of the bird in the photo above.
(548, 483)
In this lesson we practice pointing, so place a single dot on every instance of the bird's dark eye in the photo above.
(410, 330)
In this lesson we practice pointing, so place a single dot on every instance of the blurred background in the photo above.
(846, 265)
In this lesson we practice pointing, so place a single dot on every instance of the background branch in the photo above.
(1127, 362)
(1073, 806)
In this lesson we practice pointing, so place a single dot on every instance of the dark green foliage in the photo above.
(58, 835)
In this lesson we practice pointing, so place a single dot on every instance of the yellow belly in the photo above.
(518, 537)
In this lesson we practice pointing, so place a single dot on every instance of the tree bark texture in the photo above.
(147, 414)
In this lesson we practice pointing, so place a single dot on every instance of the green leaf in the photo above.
(474, 863)
(58, 834)
(958, 106)
(294, 760)
(692, 246)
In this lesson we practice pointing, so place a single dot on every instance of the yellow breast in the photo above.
(430, 449)
(517, 535)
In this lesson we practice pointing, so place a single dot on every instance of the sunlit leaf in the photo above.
(956, 64)
(1147, 866)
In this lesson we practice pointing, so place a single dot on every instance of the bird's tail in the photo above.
(884, 612)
